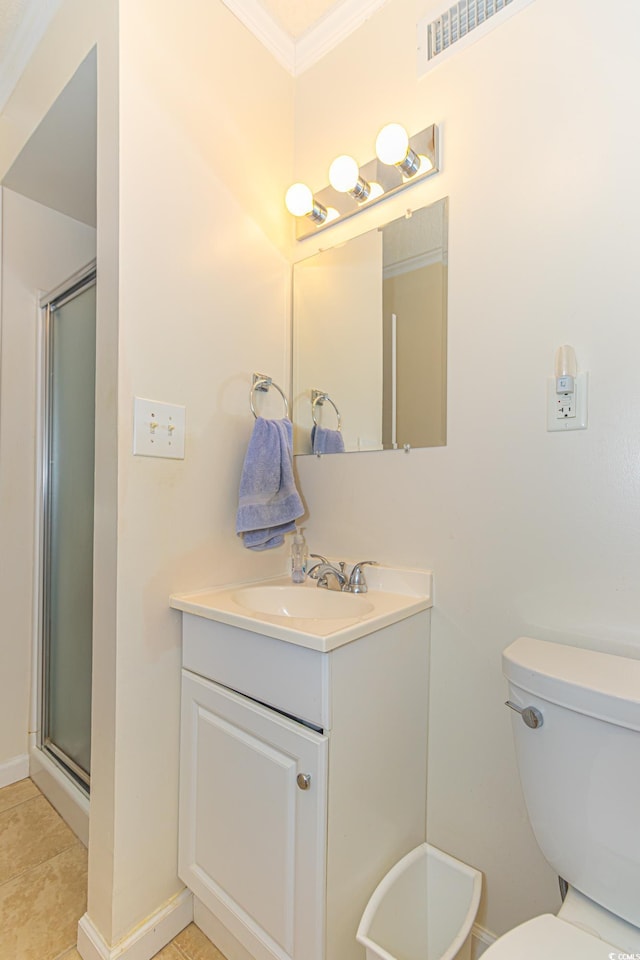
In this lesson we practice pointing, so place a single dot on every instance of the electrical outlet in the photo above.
(158, 429)
(568, 411)
(565, 406)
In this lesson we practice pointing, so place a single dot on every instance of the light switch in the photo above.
(158, 429)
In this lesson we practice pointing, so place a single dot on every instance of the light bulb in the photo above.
(301, 203)
(299, 200)
(392, 143)
(343, 174)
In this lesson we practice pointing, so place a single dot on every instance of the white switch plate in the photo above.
(158, 429)
(579, 422)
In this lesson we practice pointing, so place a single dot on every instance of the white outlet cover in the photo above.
(579, 422)
(158, 429)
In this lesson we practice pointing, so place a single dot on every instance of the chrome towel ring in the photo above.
(262, 383)
(318, 398)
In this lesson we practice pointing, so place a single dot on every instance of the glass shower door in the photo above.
(68, 527)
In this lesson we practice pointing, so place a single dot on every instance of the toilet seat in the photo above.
(550, 938)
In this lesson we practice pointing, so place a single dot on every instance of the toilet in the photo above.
(576, 722)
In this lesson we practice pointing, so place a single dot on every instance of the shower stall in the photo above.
(66, 529)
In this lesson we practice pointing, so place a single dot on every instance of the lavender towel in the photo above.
(326, 441)
(269, 503)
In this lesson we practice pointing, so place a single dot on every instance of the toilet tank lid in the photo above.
(600, 685)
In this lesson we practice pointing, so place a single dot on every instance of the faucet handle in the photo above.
(357, 582)
(318, 556)
(313, 571)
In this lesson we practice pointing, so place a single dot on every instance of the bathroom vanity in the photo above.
(303, 757)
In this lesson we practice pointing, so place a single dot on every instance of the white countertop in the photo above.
(394, 594)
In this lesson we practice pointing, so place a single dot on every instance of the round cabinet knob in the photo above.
(304, 780)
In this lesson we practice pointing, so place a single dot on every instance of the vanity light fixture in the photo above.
(301, 203)
(392, 148)
(344, 176)
(400, 162)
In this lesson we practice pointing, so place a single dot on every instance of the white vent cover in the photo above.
(436, 37)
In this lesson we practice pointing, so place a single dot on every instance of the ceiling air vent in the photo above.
(477, 17)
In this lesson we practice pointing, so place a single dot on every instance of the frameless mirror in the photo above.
(370, 339)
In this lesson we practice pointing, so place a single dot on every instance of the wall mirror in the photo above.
(370, 339)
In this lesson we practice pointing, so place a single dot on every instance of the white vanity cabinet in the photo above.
(303, 780)
(252, 842)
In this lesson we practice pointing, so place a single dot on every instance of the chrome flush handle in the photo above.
(531, 715)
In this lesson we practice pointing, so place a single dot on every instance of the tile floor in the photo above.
(43, 882)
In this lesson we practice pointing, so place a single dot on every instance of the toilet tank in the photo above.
(580, 770)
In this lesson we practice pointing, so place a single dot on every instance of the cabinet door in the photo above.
(252, 842)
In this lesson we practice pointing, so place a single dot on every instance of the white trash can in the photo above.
(423, 909)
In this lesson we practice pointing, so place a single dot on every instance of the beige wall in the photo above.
(41, 249)
(203, 302)
(528, 532)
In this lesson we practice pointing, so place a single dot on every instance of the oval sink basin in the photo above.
(302, 603)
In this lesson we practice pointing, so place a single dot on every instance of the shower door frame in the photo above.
(83, 280)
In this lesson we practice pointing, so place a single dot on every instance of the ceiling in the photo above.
(57, 165)
(296, 17)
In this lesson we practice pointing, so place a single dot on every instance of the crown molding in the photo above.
(33, 24)
(331, 30)
(298, 56)
(270, 34)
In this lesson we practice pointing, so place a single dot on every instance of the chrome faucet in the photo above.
(324, 569)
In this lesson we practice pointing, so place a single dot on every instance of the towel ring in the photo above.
(318, 398)
(262, 383)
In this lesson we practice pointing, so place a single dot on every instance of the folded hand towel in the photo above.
(269, 503)
(326, 441)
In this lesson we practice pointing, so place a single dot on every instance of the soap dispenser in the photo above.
(298, 557)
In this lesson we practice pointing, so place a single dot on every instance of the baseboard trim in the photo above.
(146, 940)
(481, 940)
(17, 768)
(61, 792)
